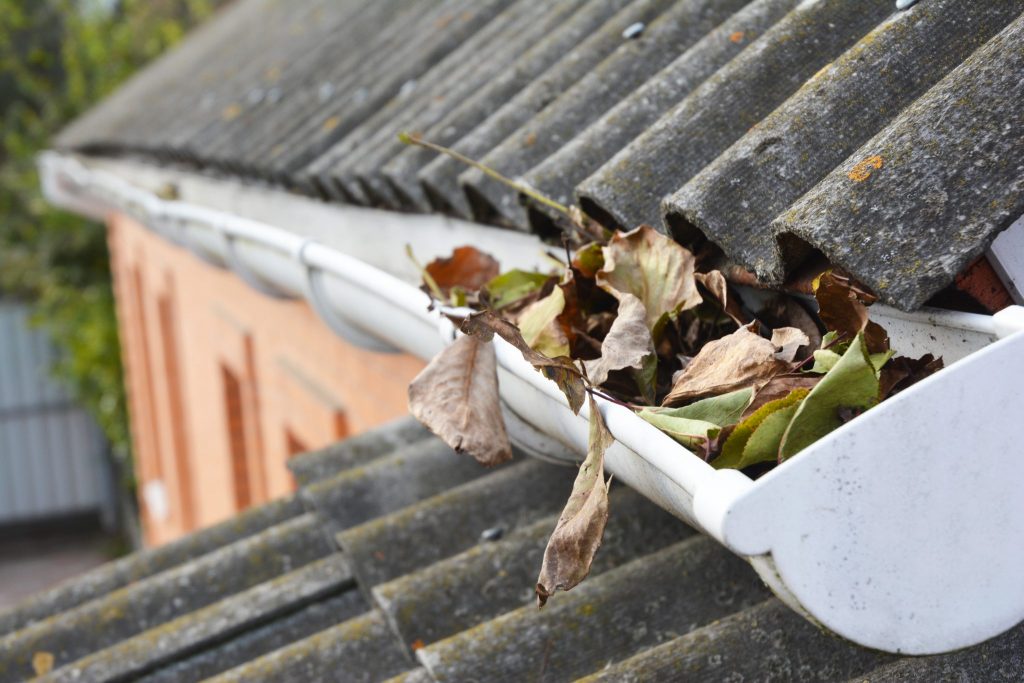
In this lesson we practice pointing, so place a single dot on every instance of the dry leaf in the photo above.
(627, 345)
(561, 371)
(716, 284)
(456, 397)
(842, 306)
(788, 341)
(467, 267)
(577, 535)
(541, 328)
(738, 360)
(780, 386)
(653, 268)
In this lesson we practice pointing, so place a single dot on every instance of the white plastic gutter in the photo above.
(903, 530)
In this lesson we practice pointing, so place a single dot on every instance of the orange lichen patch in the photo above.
(530, 139)
(42, 663)
(981, 281)
(737, 36)
(443, 21)
(418, 644)
(231, 112)
(272, 73)
(863, 169)
(330, 124)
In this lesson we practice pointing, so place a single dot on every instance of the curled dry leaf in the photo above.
(539, 324)
(716, 284)
(779, 387)
(788, 341)
(456, 397)
(842, 306)
(577, 536)
(467, 268)
(627, 345)
(739, 360)
(485, 324)
(653, 268)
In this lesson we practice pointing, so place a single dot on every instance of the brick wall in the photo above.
(225, 384)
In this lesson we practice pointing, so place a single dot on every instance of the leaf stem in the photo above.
(427, 277)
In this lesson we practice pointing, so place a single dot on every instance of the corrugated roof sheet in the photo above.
(776, 129)
(396, 561)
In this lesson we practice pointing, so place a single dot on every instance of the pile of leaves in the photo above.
(638, 320)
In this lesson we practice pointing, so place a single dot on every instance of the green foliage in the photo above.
(57, 58)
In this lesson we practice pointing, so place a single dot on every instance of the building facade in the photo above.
(226, 384)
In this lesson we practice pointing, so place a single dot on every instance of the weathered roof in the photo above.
(889, 140)
(398, 561)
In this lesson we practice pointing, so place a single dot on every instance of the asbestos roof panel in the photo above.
(440, 600)
(728, 121)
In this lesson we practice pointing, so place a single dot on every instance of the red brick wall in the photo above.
(225, 384)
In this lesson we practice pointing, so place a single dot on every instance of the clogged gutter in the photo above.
(639, 320)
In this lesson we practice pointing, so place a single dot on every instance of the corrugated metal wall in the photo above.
(52, 454)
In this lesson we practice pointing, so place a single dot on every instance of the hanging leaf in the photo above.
(561, 371)
(539, 325)
(733, 450)
(653, 268)
(738, 360)
(510, 287)
(456, 397)
(627, 345)
(577, 536)
(851, 383)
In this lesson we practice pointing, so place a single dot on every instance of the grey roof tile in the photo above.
(949, 178)
(664, 37)
(734, 199)
(626, 191)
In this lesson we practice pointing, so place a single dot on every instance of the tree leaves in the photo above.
(541, 328)
(738, 360)
(512, 286)
(653, 268)
(561, 371)
(734, 450)
(577, 536)
(842, 307)
(851, 383)
(456, 397)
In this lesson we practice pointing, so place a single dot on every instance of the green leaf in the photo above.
(879, 359)
(512, 286)
(691, 433)
(763, 445)
(851, 383)
(824, 360)
(721, 410)
(732, 450)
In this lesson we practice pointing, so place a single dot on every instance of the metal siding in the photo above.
(52, 453)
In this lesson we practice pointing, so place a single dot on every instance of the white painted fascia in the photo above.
(903, 530)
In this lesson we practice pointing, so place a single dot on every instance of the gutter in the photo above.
(903, 530)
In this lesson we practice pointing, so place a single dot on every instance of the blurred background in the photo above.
(67, 487)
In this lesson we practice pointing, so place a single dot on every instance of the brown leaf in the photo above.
(738, 360)
(902, 371)
(456, 397)
(780, 386)
(842, 306)
(485, 324)
(788, 341)
(627, 345)
(653, 268)
(467, 267)
(577, 536)
(716, 284)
